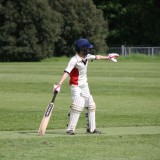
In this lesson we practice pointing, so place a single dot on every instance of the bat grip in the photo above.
(54, 96)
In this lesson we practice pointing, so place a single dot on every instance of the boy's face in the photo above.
(86, 51)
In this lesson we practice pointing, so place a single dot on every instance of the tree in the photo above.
(28, 30)
(131, 22)
(81, 18)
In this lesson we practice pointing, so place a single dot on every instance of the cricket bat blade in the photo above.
(46, 117)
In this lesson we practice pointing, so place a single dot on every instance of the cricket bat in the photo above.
(46, 117)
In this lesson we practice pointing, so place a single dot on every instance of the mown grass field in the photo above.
(127, 95)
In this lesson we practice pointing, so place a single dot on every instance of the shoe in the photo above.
(70, 132)
(94, 132)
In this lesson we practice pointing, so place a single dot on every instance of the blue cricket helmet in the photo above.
(83, 43)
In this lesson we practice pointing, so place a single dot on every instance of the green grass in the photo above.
(127, 98)
(134, 144)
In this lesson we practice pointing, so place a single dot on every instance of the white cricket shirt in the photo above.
(77, 69)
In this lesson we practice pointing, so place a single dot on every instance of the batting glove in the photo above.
(113, 56)
(56, 88)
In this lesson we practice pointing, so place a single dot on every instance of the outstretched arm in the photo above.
(111, 57)
(98, 57)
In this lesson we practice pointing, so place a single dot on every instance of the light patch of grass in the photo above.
(130, 147)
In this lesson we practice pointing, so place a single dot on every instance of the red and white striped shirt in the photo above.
(77, 69)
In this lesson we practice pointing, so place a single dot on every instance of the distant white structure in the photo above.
(123, 50)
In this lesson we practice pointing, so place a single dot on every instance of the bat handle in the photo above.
(54, 96)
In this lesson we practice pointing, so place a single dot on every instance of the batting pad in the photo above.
(92, 105)
(87, 119)
(78, 103)
(92, 121)
(74, 116)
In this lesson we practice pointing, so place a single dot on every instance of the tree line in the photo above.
(132, 22)
(36, 29)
